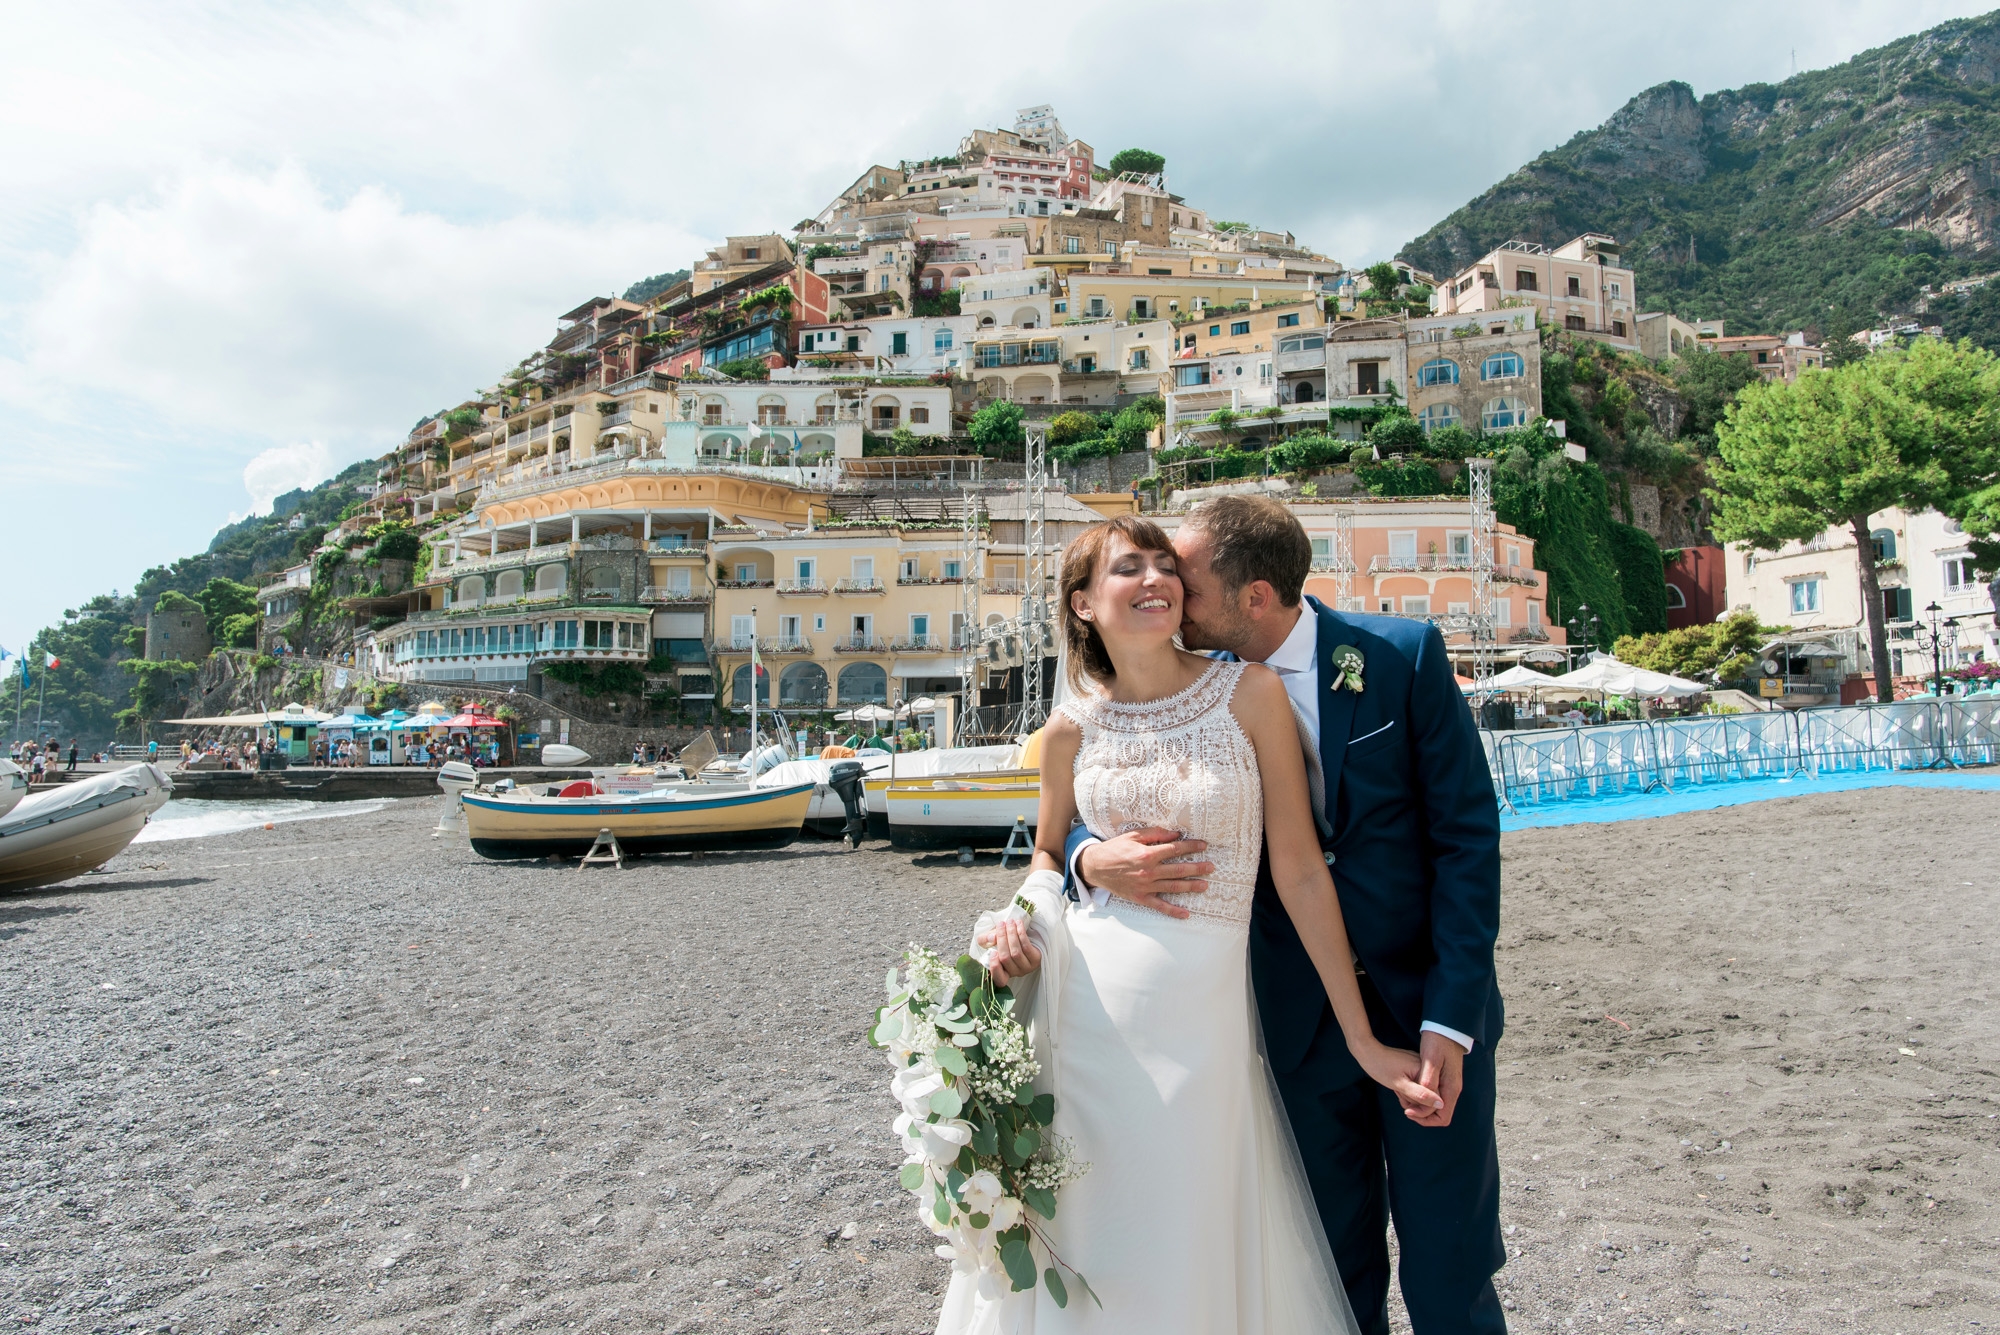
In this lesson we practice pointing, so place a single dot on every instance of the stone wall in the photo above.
(1112, 473)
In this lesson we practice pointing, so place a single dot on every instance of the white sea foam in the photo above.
(197, 818)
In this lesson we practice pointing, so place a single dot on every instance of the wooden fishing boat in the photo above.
(680, 818)
(962, 811)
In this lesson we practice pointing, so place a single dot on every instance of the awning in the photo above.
(943, 665)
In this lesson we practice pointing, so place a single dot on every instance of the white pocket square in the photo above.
(1377, 733)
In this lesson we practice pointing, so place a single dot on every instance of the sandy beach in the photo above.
(340, 1074)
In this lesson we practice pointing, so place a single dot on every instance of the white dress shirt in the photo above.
(1296, 662)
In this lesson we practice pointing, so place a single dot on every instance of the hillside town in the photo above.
(800, 466)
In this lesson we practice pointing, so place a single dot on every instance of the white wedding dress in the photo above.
(1195, 1215)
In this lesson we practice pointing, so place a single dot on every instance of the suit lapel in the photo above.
(1336, 708)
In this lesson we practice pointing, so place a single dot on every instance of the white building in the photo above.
(1814, 587)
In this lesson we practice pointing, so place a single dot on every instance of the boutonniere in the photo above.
(1349, 661)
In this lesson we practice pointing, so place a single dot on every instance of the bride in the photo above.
(1195, 1214)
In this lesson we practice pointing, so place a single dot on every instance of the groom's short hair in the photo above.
(1252, 538)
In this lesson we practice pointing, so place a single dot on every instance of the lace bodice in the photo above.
(1181, 763)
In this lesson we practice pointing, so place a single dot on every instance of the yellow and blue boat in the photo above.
(689, 818)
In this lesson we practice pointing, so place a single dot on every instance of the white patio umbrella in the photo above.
(1608, 676)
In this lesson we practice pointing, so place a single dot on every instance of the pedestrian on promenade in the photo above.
(71, 767)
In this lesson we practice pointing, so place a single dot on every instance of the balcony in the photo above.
(1002, 586)
(790, 645)
(858, 586)
(619, 418)
(536, 433)
(1427, 563)
(740, 644)
(918, 644)
(801, 587)
(906, 580)
(745, 583)
(860, 644)
(654, 593)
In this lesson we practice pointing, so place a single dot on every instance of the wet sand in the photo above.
(343, 1075)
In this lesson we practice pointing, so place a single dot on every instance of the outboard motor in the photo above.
(455, 777)
(845, 778)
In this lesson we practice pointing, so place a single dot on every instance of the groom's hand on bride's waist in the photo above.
(1140, 866)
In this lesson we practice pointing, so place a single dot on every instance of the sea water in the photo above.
(197, 818)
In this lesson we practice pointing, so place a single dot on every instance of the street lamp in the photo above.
(1934, 639)
(1583, 626)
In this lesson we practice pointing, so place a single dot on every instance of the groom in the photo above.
(1412, 835)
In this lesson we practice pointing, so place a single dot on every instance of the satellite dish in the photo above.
(1770, 666)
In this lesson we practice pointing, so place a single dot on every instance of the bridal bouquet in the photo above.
(981, 1160)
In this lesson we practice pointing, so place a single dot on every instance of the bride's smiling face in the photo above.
(1136, 593)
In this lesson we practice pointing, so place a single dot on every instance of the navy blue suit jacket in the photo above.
(1414, 831)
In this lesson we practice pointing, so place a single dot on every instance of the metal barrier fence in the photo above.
(1564, 764)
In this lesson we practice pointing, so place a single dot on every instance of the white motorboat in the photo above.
(76, 827)
(827, 815)
(13, 785)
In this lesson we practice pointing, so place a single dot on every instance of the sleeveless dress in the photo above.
(1195, 1215)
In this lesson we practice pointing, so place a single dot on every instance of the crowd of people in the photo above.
(46, 757)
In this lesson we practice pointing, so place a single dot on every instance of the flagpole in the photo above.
(41, 696)
(756, 667)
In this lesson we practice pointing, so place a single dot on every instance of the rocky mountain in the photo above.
(1831, 197)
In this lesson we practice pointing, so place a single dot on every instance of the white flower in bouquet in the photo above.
(979, 1157)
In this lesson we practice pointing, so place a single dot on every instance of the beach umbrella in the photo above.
(1608, 676)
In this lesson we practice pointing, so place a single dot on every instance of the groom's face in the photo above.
(1210, 617)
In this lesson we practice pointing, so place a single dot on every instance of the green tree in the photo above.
(1916, 429)
(1642, 577)
(1709, 382)
(998, 423)
(221, 598)
(904, 441)
(1141, 160)
(1068, 428)
(1717, 651)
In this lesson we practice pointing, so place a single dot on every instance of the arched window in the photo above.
(1503, 366)
(1438, 372)
(1884, 542)
(471, 589)
(864, 684)
(1675, 598)
(601, 583)
(551, 578)
(802, 685)
(1437, 415)
(507, 584)
(739, 688)
(1504, 413)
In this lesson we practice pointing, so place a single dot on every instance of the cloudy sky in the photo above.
(244, 245)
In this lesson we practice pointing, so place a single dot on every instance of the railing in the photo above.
(858, 586)
(609, 420)
(860, 644)
(917, 644)
(791, 644)
(1001, 586)
(1427, 561)
(1564, 764)
(930, 579)
(801, 586)
(745, 583)
(654, 593)
(536, 433)
(740, 644)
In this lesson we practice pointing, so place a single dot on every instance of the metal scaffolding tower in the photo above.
(1481, 487)
(968, 615)
(1343, 559)
(1036, 636)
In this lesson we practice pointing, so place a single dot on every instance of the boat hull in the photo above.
(70, 847)
(947, 813)
(506, 827)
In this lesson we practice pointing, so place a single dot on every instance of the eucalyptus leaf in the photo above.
(985, 1139)
(1043, 1109)
(946, 1102)
(941, 1208)
(889, 984)
(954, 1182)
(965, 1040)
(978, 1220)
(1020, 1263)
(912, 1176)
(1089, 1292)
(968, 1163)
(1041, 1200)
(951, 1059)
(1056, 1289)
(1024, 1096)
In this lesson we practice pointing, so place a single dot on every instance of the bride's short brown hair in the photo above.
(1087, 657)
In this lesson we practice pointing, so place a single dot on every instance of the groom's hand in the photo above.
(1138, 866)
(1442, 1070)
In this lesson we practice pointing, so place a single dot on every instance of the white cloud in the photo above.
(284, 467)
(258, 303)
